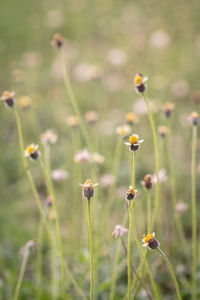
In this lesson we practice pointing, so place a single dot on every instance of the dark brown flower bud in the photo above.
(88, 189)
(168, 108)
(58, 40)
(148, 181)
(130, 194)
(194, 118)
(8, 98)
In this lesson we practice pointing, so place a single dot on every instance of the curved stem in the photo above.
(91, 252)
(171, 271)
(75, 104)
(157, 167)
(21, 274)
(194, 222)
(145, 261)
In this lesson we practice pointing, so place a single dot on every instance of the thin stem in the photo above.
(173, 190)
(74, 103)
(145, 261)
(21, 274)
(39, 259)
(91, 252)
(171, 271)
(194, 221)
(157, 167)
(148, 210)
(129, 233)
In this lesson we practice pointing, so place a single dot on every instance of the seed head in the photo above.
(131, 193)
(147, 183)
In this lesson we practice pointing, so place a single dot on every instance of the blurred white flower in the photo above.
(59, 174)
(97, 158)
(159, 39)
(82, 156)
(117, 57)
(181, 207)
(119, 231)
(162, 175)
(54, 18)
(48, 137)
(107, 180)
(180, 88)
(86, 72)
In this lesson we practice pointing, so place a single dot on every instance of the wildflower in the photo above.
(194, 118)
(88, 191)
(168, 107)
(82, 156)
(49, 201)
(147, 183)
(97, 158)
(72, 121)
(117, 57)
(131, 118)
(162, 130)
(86, 72)
(119, 231)
(131, 193)
(8, 98)
(140, 83)
(25, 250)
(48, 137)
(59, 174)
(134, 142)
(181, 207)
(24, 102)
(123, 131)
(91, 117)
(32, 151)
(57, 41)
(150, 241)
(162, 175)
(107, 180)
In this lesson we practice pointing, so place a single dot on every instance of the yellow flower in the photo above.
(149, 237)
(32, 151)
(150, 241)
(138, 79)
(134, 139)
(131, 118)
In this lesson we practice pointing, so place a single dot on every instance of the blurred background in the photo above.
(107, 43)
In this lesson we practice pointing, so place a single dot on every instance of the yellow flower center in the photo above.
(138, 79)
(133, 139)
(88, 182)
(130, 117)
(30, 149)
(148, 238)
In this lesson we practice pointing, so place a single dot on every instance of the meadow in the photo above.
(99, 143)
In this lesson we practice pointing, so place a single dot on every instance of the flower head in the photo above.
(97, 158)
(32, 151)
(48, 137)
(88, 188)
(168, 107)
(123, 131)
(91, 117)
(134, 142)
(8, 98)
(59, 174)
(57, 41)
(24, 102)
(72, 121)
(131, 118)
(148, 182)
(131, 193)
(181, 207)
(150, 241)
(162, 130)
(194, 118)
(82, 156)
(119, 231)
(140, 83)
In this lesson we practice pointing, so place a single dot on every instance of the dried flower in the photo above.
(72, 121)
(194, 118)
(140, 83)
(123, 131)
(150, 241)
(168, 107)
(134, 142)
(88, 188)
(32, 151)
(48, 137)
(181, 207)
(91, 117)
(162, 130)
(59, 174)
(119, 231)
(131, 118)
(131, 193)
(97, 158)
(82, 156)
(147, 183)
(24, 102)
(57, 41)
(8, 98)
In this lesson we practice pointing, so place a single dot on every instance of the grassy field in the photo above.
(82, 92)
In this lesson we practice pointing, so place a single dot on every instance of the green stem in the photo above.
(194, 211)
(157, 167)
(21, 274)
(173, 191)
(74, 104)
(39, 259)
(91, 252)
(145, 261)
(171, 271)
(148, 211)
